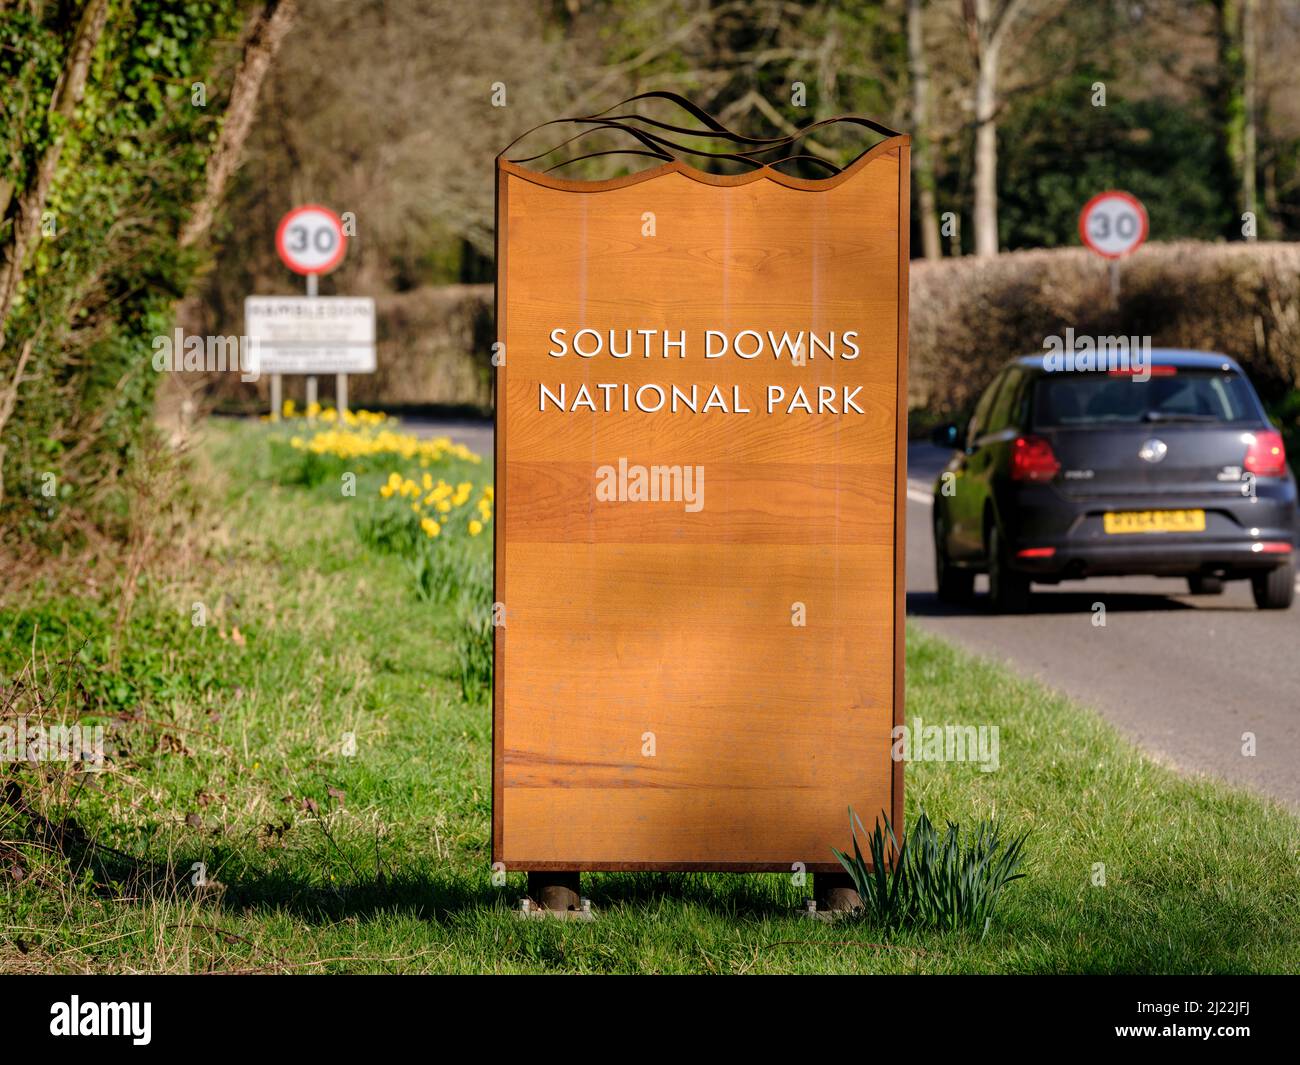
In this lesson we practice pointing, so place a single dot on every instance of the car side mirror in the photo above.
(946, 436)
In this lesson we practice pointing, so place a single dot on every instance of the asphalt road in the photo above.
(474, 433)
(1183, 676)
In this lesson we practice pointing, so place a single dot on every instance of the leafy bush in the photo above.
(931, 880)
(102, 278)
(1054, 155)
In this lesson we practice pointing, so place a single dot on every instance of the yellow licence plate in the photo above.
(1154, 521)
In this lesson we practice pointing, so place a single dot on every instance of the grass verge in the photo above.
(300, 785)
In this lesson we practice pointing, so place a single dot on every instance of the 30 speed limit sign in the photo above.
(1113, 224)
(311, 240)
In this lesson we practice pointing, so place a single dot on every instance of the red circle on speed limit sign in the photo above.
(1113, 223)
(310, 240)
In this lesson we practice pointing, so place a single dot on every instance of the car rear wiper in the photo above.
(1162, 416)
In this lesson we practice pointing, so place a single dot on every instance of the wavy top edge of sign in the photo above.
(537, 177)
(649, 133)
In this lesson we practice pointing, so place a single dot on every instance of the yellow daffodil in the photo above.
(367, 441)
(430, 527)
(475, 527)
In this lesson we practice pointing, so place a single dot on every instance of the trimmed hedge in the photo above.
(970, 315)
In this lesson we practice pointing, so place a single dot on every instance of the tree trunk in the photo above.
(1250, 93)
(986, 156)
(261, 40)
(9, 400)
(986, 130)
(988, 32)
(32, 197)
(922, 156)
(1232, 106)
(261, 43)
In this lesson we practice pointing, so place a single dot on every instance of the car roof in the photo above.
(1183, 358)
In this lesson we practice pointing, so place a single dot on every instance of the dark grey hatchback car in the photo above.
(1171, 471)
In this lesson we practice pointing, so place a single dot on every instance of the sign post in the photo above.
(310, 240)
(313, 290)
(1113, 224)
(700, 478)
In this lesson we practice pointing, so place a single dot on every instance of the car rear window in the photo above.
(1066, 399)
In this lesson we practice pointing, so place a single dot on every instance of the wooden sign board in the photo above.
(699, 539)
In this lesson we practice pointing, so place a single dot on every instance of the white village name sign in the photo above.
(311, 334)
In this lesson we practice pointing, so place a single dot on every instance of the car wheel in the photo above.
(953, 585)
(1008, 590)
(1275, 589)
(1205, 585)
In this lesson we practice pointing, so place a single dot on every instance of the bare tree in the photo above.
(262, 41)
(989, 24)
(394, 110)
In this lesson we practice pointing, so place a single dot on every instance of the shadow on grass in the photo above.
(227, 876)
(750, 896)
(435, 897)
(1046, 928)
(429, 897)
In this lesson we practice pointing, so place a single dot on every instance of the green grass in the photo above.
(378, 862)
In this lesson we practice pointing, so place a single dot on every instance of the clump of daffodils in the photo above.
(366, 439)
(439, 503)
(314, 412)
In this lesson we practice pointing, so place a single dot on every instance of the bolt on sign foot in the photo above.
(700, 450)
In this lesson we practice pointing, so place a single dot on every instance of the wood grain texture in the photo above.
(626, 619)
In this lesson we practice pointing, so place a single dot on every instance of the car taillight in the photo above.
(1149, 371)
(1032, 459)
(1265, 455)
